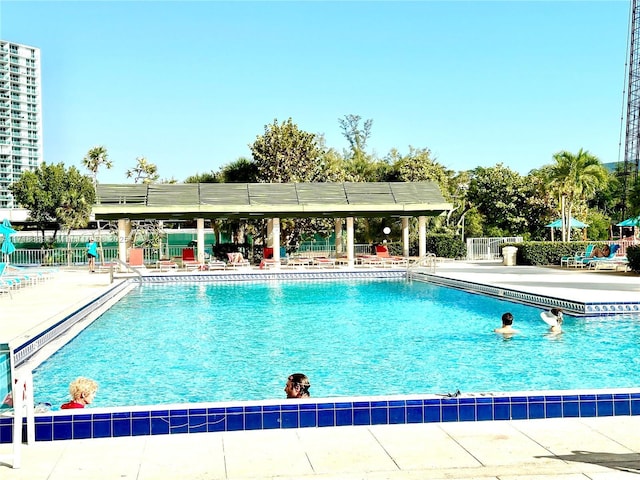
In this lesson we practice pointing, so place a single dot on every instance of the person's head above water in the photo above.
(558, 313)
(507, 319)
(297, 386)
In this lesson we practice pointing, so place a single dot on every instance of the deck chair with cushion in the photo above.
(166, 265)
(237, 260)
(383, 252)
(575, 260)
(591, 261)
(610, 261)
(189, 261)
(13, 279)
(215, 264)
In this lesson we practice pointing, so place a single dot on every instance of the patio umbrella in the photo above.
(558, 224)
(630, 222)
(574, 224)
(7, 245)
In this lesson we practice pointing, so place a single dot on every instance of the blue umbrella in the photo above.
(630, 222)
(6, 230)
(574, 224)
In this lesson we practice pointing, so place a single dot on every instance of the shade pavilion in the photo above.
(271, 201)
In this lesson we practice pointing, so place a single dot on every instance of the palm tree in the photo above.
(95, 158)
(575, 178)
(74, 211)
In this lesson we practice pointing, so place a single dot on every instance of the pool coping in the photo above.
(575, 308)
(327, 412)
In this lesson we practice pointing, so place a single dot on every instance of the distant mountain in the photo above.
(612, 166)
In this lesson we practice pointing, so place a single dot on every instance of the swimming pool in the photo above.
(166, 344)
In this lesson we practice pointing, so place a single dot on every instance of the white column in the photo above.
(200, 239)
(405, 236)
(275, 242)
(338, 231)
(124, 229)
(422, 236)
(351, 257)
(269, 232)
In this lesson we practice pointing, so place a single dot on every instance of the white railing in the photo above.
(73, 256)
(487, 248)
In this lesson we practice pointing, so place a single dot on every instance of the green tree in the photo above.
(73, 212)
(417, 166)
(284, 153)
(242, 170)
(499, 195)
(211, 177)
(94, 159)
(47, 193)
(356, 135)
(575, 178)
(144, 171)
(634, 198)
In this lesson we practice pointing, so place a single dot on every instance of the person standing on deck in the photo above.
(92, 254)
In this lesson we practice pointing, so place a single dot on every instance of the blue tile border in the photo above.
(326, 413)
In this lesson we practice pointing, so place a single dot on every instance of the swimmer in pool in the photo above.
(297, 386)
(553, 319)
(507, 324)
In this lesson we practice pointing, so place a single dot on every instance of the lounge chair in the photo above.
(592, 261)
(370, 260)
(165, 265)
(136, 258)
(215, 264)
(14, 279)
(383, 252)
(294, 262)
(324, 262)
(5, 288)
(575, 260)
(237, 260)
(189, 261)
(609, 262)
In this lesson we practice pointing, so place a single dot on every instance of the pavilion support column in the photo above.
(200, 239)
(124, 242)
(405, 236)
(422, 236)
(275, 241)
(338, 231)
(351, 258)
(269, 232)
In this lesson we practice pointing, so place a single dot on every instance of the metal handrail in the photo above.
(429, 260)
(128, 267)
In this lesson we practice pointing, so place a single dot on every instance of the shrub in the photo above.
(633, 254)
(545, 253)
(446, 246)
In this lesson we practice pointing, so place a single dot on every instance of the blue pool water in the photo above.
(239, 341)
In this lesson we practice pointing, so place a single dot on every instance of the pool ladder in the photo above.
(429, 261)
(128, 267)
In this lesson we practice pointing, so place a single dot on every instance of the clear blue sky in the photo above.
(190, 85)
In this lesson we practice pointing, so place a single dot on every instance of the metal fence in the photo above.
(78, 255)
(487, 248)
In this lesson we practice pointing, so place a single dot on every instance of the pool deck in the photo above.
(551, 449)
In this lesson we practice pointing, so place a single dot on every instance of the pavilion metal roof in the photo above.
(266, 200)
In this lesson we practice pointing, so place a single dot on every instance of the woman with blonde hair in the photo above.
(82, 390)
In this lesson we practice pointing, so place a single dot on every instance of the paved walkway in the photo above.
(558, 449)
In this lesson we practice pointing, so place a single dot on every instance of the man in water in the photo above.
(507, 324)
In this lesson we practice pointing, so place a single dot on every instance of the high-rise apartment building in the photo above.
(20, 115)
